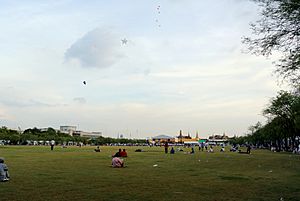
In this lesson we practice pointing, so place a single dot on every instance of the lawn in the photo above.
(75, 173)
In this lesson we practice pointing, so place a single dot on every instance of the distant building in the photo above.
(187, 139)
(218, 139)
(67, 129)
(182, 138)
(43, 129)
(163, 139)
(90, 135)
(46, 129)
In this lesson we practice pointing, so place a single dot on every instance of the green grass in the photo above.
(80, 174)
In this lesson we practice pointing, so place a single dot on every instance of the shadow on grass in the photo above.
(234, 178)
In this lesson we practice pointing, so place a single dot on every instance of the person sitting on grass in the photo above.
(4, 175)
(118, 154)
(233, 149)
(179, 149)
(211, 150)
(193, 151)
(222, 149)
(172, 151)
(138, 150)
(117, 162)
(123, 153)
(97, 149)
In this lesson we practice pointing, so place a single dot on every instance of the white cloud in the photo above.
(4, 115)
(99, 48)
(80, 100)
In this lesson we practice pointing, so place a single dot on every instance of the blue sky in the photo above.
(183, 66)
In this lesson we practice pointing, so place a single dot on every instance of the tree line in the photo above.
(282, 129)
(15, 137)
(278, 31)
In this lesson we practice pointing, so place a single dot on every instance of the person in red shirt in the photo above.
(123, 153)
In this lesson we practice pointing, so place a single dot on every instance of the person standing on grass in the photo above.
(166, 147)
(248, 149)
(4, 175)
(52, 146)
(193, 151)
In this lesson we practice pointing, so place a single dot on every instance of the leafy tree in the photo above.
(278, 29)
(285, 109)
(238, 140)
(283, 123)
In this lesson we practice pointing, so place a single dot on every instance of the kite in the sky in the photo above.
(124, 41)
(84, 82)
(158, 12)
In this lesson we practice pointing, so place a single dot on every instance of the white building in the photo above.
(67, 129)
(87, 134)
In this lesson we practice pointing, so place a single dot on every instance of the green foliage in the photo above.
(283, 124)
(35, 134)
(279, 30)
(8, 134)
(107, 140)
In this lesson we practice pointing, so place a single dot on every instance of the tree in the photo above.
(283, 112)
(255, 127)
(278, 30)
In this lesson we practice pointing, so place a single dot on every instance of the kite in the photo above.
(158, 12)
(84, 82)
(124, 41)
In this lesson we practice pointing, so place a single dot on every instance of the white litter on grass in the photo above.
(281, 199)
(155, 165)
(199, 160)
(270, 171)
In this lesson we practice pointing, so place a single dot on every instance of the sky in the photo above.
(150, 67)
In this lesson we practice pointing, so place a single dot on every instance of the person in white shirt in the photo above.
(4, 175)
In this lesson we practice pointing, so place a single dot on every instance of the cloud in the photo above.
(24, 103)
(80, 100)
(16, 97)
(99, 48)
(4, 115)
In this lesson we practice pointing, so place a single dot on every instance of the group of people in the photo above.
(121, 153)
(117, 162)
(172, 151)
(209, 149)
(4, 175)
(296, 150)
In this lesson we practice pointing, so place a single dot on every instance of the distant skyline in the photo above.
(149, 67)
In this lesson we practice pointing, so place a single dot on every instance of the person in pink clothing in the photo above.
(117, 162)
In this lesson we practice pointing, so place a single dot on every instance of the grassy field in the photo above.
(81, 174)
